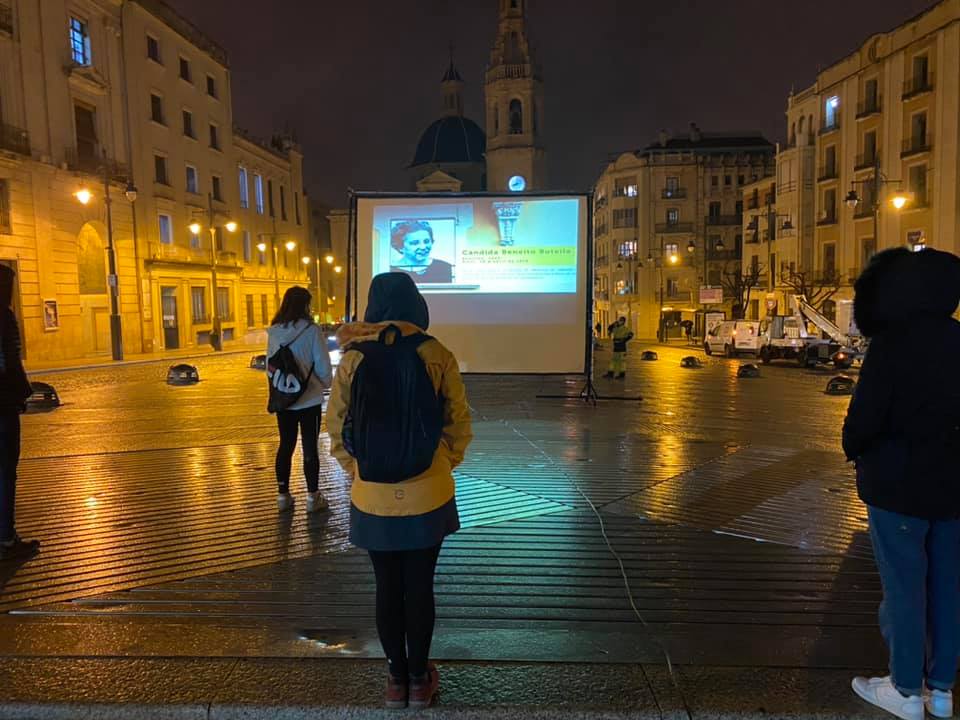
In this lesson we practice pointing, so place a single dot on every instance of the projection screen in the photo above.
(505, 276)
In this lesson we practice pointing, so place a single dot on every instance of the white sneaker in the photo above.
(939, 702)
(284, 502)
(882, 693)
(316, 502)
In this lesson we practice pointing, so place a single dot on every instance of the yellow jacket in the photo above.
(426, 493)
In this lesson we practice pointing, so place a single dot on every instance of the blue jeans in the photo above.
(919, 564)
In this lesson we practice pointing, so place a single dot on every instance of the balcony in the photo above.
(14, 139)
(916, 145)
(226, 257)
(871, 106)
(6, 19)
(93, 165)
(179, 254)
(713, 220)
(510, 72)
(675, 228)
(829, 219)
(864, 209)
(828, 128)
(601, 295)
(601, 261)
(828, 172)
(203, 319)
(673, 193)
(866, 161)
(917, 85)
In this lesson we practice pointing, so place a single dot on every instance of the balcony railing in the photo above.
(830, 127)
(736, 219)
(203, 319)
(864, 209)
(510, 72)
(179, 254)
(673, 193)
(14, 139)
(871, 106)
(227, 257)
(674, 228)
(93, 165)
(866, 161)
(828, 172)
(829, 219)
(916, 145)
(917, 85)
(6, 19)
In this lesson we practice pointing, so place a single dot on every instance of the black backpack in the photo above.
(287, 380)
(395, 420)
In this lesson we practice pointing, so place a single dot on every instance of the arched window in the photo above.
(801, 126)
(516, 117)
(793, 134)
(810, 127)
(495, 120)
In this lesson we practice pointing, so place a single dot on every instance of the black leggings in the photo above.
(308, 421)
(405, 608)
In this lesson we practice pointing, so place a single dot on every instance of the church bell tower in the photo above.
(516, 157)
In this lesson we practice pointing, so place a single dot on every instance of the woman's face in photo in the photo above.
(417, 246)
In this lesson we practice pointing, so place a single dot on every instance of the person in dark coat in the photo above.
(14, 391)
(903, 432)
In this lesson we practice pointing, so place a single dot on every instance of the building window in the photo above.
(626, 218)
(244, 189)
(251, 320)
(165, 226)
(715, 209)
(283, 203)
(185, 73)
(156, 109)
(153, 49)
(921, 71)
(714, 181)
(198, 305)
(296, 206)
(5, 226)
(223, 304)
(258, 193)
(867, 250)
(673, 216)
(829, 260)
(830, 206)
(740, 179)
(188, 124)
(195, 241)
(673, 287)
(671, 249)
(193, 180)
(212, 86)
(264, 312)
(918, 130)
(918, 185)
(261, 256)
(831, 113)
(516, 117)
(727, 180)
(270, 197)
(86, 126)
(214, 137)
(871, 98)
(625, 187)
(496, 120)
(216, 187)
(80, 42)
(160, 170)
(247, 246)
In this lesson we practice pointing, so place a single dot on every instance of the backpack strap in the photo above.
(297, 336)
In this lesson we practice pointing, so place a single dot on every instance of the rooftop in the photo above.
(191, 32)
(711, 143)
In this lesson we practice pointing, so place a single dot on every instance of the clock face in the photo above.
(517, 183)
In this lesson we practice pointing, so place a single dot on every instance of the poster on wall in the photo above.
(51, 315)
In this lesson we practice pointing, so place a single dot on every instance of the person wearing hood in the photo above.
(294, 327)
(14, 391)
(402, 524)
(903, 432)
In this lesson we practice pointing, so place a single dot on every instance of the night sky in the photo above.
(358, 81)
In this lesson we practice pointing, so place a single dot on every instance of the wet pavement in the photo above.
(726, 499)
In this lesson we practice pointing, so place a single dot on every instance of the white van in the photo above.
(733, 337)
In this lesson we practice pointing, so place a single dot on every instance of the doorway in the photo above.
(171, 326)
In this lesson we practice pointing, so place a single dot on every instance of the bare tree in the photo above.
(816, 288)
(738, 285)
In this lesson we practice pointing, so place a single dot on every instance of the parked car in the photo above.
(733, 337)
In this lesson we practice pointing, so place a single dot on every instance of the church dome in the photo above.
(452, 139)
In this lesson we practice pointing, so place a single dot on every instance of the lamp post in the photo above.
(216, 334)
(657, 262)
(899, 200)
(84, 196)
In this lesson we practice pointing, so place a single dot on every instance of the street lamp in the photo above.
(84, 196)
(898, 200)
(290, 245)
(216, 334)
(329, 259)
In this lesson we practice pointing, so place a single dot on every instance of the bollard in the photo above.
(44, 398)
(691, 362)
(748, 370)
(258, 362)
(648, 355)
(182, 374)
(840, 385)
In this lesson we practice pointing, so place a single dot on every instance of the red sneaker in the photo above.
(422, 692)
(395, 697)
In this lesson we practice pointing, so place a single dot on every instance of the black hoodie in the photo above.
(903, 423)
(14, 386)
(394, 296)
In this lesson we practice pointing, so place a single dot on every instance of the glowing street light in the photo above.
(329, 259)
(262, 247)
(83, 195)
(338, 269)
(194, 228)
(899, 200)
(291, 245)
(305, 260)
(231, 226)
(674, 259)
